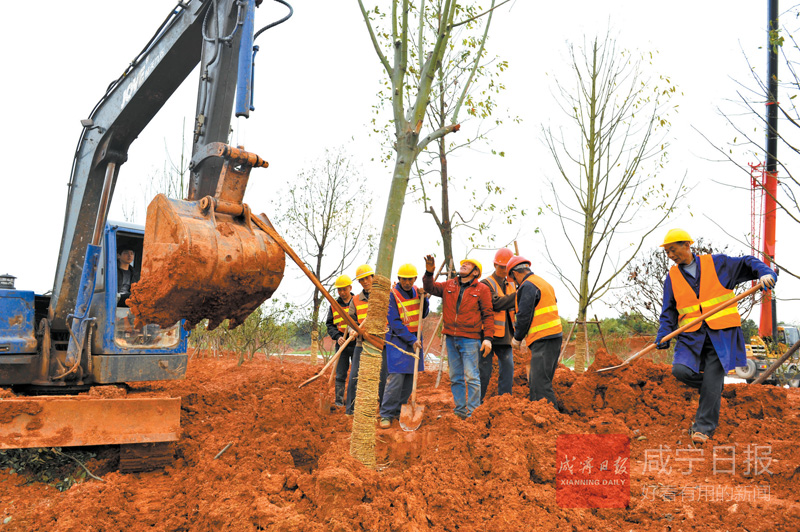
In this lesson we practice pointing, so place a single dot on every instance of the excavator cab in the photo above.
(206, 259)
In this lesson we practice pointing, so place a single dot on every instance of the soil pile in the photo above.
(289, 468)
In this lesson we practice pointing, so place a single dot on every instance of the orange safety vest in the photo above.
(338, 321)
(361, 308)
(712, 293)
(500, 316)
(409, 309)
(545, 320)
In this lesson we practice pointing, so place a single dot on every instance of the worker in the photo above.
(503, 301)
(467, 313)
(707, 351)
(337, 328)
(358, 311)
(405, 319)
(537, 327)
(127, 275)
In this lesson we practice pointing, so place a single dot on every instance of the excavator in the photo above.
(65, 354)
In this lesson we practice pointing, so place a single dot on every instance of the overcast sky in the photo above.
(316, 80)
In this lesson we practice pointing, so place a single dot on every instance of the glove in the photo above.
(662, 345)
(768, 281)
(486, 347)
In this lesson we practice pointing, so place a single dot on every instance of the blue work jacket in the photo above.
(397, 361)
(728, 343)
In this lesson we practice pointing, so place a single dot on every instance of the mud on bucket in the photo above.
(198, 263)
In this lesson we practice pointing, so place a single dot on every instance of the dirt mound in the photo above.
(289, 468)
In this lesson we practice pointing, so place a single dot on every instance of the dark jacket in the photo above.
(469, 317)
(333, 331)
(528, 296)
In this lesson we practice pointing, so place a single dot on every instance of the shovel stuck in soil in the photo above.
(411, 414)
(678, 331)
(330, 363)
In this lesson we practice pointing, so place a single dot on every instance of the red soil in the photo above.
(289, 466)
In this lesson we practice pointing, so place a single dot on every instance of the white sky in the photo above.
(316, 80)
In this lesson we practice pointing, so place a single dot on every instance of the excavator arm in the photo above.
(208, 32)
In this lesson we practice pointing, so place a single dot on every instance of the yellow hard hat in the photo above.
(475, 263)
(365, 270)
(677, 235)
(407, 271)
(342, 281)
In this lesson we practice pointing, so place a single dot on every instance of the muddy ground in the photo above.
(289, 468)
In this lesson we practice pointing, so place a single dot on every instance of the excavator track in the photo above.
(140, 457)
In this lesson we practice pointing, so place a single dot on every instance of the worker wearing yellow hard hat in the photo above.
(503, 298)
(405, 322)
(337, 329)
(705, 351)
(466, 313)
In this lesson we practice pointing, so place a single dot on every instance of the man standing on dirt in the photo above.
(358, 311)
(707, 351)
(405, 319)
(467, 313)
(503, 300)
(337, 328)
(538, 326)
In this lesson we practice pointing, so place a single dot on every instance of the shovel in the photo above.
(411, 414)
(331, 362)
(675, 333)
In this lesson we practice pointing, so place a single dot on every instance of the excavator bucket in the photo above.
(206, 259)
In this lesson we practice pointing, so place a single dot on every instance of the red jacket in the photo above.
(472, 316)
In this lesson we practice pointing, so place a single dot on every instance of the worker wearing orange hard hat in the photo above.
(337, 330)
(503, 300)
(537, 326)
(466, 314)
(706, 352)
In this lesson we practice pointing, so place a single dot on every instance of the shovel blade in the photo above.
(411, 417)
(324, 403)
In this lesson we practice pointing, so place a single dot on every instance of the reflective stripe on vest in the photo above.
(712, 293)
(500, 316)
(546, 321)
(338, 321)
(361, 308)
(408, 308)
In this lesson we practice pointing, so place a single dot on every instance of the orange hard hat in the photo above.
(502, 256)
(515, 261)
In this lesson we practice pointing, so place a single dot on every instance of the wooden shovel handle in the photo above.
(416, 350)
(264, 226)
(333, 359)
(689, 325)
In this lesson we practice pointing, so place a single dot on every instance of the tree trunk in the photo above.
(314, 346)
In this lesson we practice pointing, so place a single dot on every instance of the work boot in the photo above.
(386, 422)
(339, 394)
(699, 437)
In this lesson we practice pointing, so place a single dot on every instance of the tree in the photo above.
(328, 217)
(781, 123)
(466, 80)
(604, 187)
(644, 287)
(409, 104)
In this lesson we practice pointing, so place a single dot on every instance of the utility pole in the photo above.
(768, 325)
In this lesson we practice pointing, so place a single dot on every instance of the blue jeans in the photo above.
(465, 380)
(505, 361)
(396, 393)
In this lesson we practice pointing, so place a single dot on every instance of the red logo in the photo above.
(593, 471)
